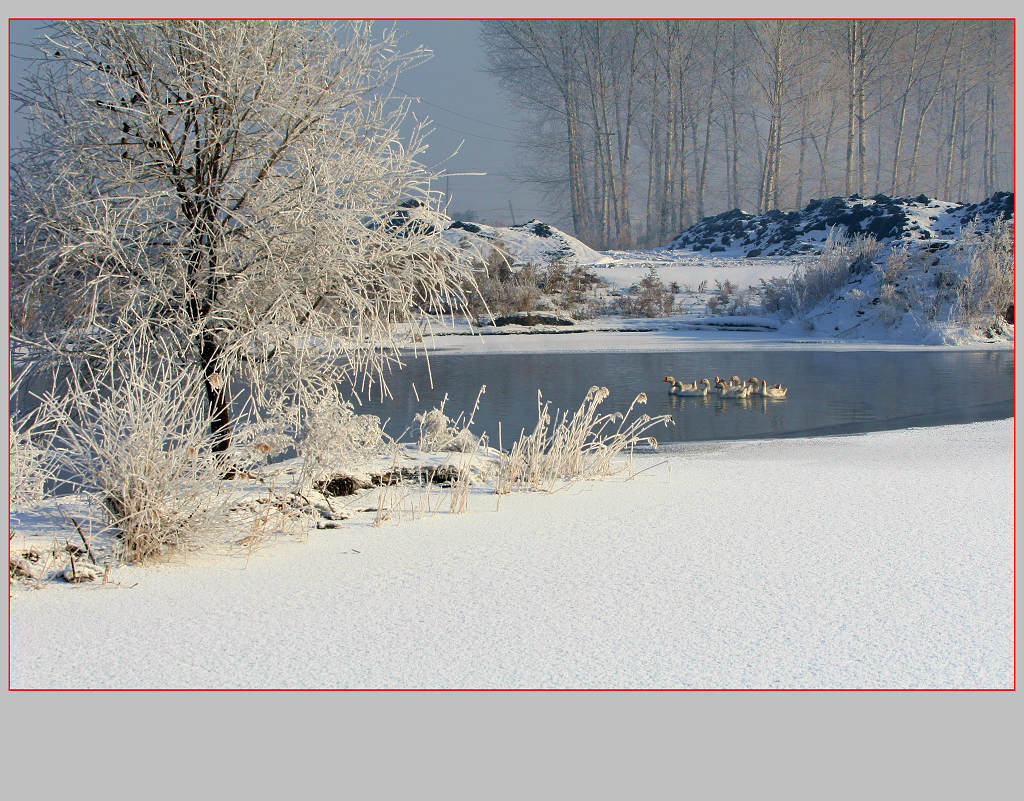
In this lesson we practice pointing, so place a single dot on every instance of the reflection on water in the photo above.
(830, 392)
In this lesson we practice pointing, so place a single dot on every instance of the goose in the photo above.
(698, 389)
(774, 391)
(755, 385)
(672, 384)
(735, 392)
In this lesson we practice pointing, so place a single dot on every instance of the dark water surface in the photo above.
(830, 392)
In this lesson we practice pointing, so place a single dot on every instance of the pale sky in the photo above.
(467, 107)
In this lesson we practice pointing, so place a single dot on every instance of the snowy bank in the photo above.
(533, 242)
(882, 560)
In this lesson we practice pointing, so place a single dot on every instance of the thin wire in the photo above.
(466, 116)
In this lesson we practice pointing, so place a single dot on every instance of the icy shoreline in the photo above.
(880, 560)
(661, 334)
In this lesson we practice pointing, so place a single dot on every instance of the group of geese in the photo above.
(726, 388)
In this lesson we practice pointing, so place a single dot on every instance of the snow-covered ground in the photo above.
(881, 560)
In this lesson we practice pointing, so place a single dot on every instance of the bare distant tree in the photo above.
(730, 112)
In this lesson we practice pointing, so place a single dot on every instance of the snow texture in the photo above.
(882, 560)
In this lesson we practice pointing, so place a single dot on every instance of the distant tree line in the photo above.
(642, 128)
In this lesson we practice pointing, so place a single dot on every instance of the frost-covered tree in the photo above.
(234, 197)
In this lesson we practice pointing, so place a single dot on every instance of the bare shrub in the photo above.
(566, 447)
(739, 303)
(567, 286)
(725, 290)
(500, 290)
(649, 297)
(778, 295)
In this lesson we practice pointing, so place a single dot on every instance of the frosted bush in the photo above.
(893, 305)
(136, 443)
(564, 447)
(438, 432)
(337, 440)
(896, 264)
(841, 257)
(29, 467)
(986, 289)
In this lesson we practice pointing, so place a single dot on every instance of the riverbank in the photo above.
(625, 335)
(882, 560)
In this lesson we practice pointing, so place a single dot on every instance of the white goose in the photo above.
(698, 389)
(732, 391)
(774, 391)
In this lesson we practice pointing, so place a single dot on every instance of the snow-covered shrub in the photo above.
(896, 264)
(569, 447)
(649, 297)
(438, 432)
(136, 442)
(841, 257)
(863, 250)
(740, 303)
(893, 305)
(986, 288)
(337, 440)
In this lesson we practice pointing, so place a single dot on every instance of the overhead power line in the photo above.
(467, 117)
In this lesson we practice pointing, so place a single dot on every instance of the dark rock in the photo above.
(339, 485)
(754, 252)
(1008, 314)
(533, 318)
(445, 474)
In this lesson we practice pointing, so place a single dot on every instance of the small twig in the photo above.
(71, 554)
(649, 467)
(84, 540)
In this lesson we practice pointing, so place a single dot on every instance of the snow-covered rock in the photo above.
(739, 234)
(532, 242)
